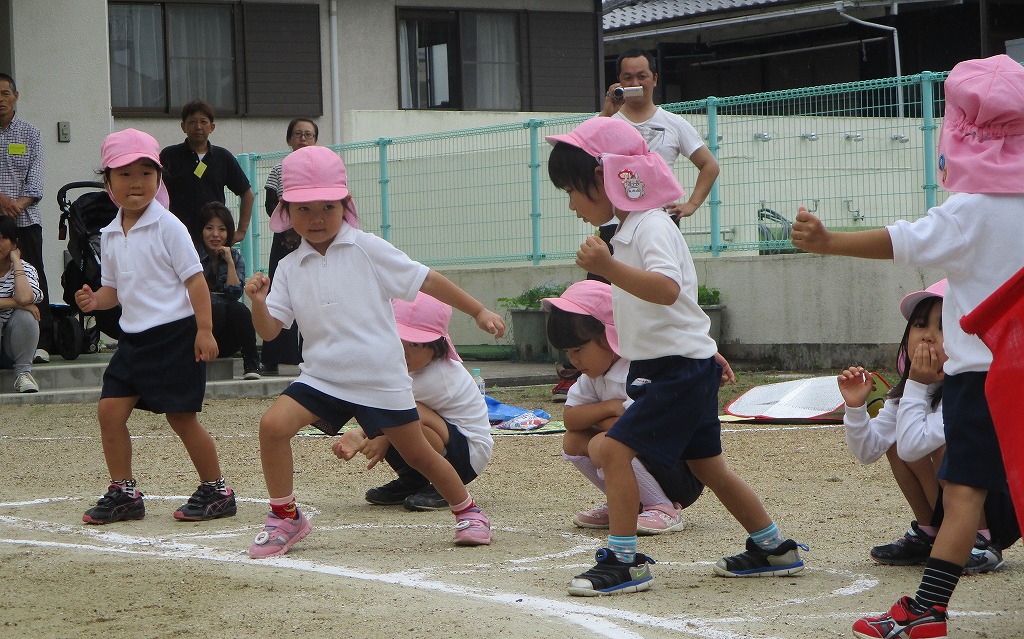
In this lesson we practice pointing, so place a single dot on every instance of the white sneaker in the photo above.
(25, 383)
(41, 357)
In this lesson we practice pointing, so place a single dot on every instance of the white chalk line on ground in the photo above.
(600, 620)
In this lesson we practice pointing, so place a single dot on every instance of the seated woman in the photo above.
(19, 315)
(224, 269)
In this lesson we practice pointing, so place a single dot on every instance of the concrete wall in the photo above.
(781, 311)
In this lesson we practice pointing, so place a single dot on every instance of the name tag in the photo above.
(16, 149)
(200, 169)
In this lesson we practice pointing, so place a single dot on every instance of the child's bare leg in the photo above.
(576, 442)
(963, 506)
(199, 444)
(278, 426)
(434, 428)
(620, 485)
(734, 493)
(911, 477)
(113, 413)
(412, 445)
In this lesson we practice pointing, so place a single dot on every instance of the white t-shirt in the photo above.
(594, 390)
(667, 134)
(342, 304)
(910, 422)
(148, 267)
(978, 240)
(447, 388)
(649, 240)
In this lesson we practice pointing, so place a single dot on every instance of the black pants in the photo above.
(233, 330)
(30, 242)
(283, 349)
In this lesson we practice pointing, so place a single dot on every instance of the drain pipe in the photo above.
(895, 43)
(335, 73)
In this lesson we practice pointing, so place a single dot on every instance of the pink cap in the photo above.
(910, 302)
(312, 174)
(589, 297)
(424, 320)
(635, 179)
(981, 144)
(124, 147)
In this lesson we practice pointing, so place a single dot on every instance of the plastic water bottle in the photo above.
(479, 381)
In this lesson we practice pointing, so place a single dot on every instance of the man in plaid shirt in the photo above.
(21, 188)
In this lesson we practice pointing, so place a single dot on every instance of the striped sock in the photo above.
(218, 485)
(129, 486)
(768, 538)
(937, 584)
(623, 547)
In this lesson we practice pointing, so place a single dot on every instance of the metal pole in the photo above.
(715, 200)
(928, 127)
(249, 253)
(534, 126)
(385, 188)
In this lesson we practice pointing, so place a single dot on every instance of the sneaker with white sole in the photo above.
(472, 528)
(984, 558)
(278, 535)
(613, 577)
(658, 519)
(757, 562)
(25, 383)
(596, 517)
(41, 357)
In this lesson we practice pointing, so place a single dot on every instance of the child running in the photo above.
(581, 323)
(338, 286)
(151, 268)
(452, 411)
(607, 170)
(977, 237)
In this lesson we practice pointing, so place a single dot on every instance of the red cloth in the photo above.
(999, 322)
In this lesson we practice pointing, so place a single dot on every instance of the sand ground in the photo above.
(379, 572)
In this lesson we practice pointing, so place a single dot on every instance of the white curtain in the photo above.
(200, 55)
(490, 61)
(405, 45)
(137, 74)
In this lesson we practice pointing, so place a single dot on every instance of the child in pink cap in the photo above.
(338, 286)
(452, 412)
(151, 268)
(580, 322)
(977, 237)
(608, 171)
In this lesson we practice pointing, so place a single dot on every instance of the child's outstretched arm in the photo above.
(809, 234)
(440, 287)
(199, 295)
(256, 289)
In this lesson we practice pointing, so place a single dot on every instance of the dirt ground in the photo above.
(379, 572)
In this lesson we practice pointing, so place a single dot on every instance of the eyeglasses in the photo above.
(304, 135)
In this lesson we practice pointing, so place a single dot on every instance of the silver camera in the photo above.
(621, 93)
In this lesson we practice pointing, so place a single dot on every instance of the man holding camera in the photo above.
(667, 134)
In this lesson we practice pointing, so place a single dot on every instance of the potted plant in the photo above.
(529, 323)
(710, 301)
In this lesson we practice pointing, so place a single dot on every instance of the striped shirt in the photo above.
(21, 167)
(7, 288)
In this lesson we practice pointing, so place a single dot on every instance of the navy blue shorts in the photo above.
(674, 415)
(335, 413)
(973, 457)
(456, 452)
(679, 482)
(159, 367)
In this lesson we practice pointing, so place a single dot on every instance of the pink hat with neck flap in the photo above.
(424, 320)
(312, 174)
(589, 297)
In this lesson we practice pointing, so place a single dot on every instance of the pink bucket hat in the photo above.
(424, 320)
(910, 302)
(635, 179)
(589, 297)
(981, 144)
(312, 173)
(124, 147)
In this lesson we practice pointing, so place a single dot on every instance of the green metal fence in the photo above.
(860, 155)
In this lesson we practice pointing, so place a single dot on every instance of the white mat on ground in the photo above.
(814, 399)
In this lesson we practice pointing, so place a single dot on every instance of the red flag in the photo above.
(999, 322)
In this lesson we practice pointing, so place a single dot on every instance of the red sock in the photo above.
(458, 509)
(284, 507)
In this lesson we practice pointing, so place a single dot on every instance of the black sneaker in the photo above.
(394, 492)
(911, 549)
(426, 499)
(207, 503)
(755, 562)
(984, 558)
(116, 505)
(613, 577)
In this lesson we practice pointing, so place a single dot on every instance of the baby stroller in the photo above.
(76, 332)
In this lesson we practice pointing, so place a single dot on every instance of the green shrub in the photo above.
(708, 296)
(531, 298)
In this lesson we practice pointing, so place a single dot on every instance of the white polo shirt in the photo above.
(148, 266)
(446, 387)
(594, 390)
(667, 134)
(342, 304)
(649, 240)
